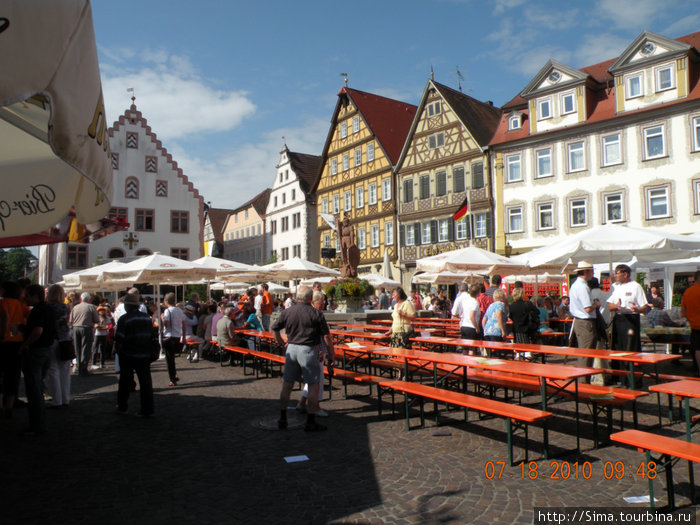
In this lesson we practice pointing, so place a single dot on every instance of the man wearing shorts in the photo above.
(304, 327)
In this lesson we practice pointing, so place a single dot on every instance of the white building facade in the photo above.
(163, 208)
(291, 211)
(616, 142)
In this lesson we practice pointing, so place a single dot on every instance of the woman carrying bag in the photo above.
(402, 315)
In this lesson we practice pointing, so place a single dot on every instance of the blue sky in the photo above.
(221, 82)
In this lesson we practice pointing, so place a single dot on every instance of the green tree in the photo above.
(15, 263)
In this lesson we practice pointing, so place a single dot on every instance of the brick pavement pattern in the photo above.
(204, 458)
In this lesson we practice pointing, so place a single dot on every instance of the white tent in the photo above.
(612, 242)
(91, 276)
(158, 269)
(277, 288)
(379, 281)
(445, 277)
(224, 267)
(470, 259)
(54, 149)
(296, 268)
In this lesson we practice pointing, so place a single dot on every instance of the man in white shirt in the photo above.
(173, 324)
(627, 301)
(466, 307)
(582, 307)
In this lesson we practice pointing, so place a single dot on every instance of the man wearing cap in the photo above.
(583, 307)
(627, 300)
(136, 341)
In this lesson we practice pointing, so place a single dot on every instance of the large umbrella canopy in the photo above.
(444, 277)
(224, 267)
(158, 269)
(90, 276)
(379, 281)
(54, 148)
(296, 268)
(612, 242)
(470, 259)
(277, 288)
(542, 278)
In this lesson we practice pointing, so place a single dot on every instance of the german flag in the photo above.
(461, 213)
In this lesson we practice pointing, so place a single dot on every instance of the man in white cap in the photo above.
(583, 307)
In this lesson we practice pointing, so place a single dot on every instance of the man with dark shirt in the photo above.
(304, 327)
(136, 341)
(39, 339)
(495, 285)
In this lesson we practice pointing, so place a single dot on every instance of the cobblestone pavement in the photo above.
(204, 458)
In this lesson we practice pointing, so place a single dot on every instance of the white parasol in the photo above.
(470, 259)
(296, 268)
(54, 148)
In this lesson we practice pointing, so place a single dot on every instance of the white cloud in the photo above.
(502, 6)
(177, 101)
(631, 14)
(234, 177)
(683, 26)
(598, 48)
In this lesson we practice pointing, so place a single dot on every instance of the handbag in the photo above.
(66, 351)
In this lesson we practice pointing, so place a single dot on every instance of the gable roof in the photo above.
(389, 119)
(217, 217)
(259, 202)
(480, 118)
(602, 95)
(306, 167)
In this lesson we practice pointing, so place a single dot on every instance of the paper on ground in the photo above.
(638, 499)
(295, 459)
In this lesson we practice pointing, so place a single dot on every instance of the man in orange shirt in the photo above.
(690, 309)
(266, 306)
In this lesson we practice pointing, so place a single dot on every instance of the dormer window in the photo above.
(568, 103)
(664, 78)
(514, 122)
(554, 77)
(544, 109)
(633, 86)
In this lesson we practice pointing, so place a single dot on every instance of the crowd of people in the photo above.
(47, 336)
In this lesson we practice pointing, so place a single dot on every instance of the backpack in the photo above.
(533, 324)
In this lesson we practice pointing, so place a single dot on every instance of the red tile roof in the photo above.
(603, 99)
(389, 120)
(217, 217)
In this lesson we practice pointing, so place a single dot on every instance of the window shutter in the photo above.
(488, 224)
(468, 218)
(433, 231)
(417, 233)
(450, 229)
(402, 236)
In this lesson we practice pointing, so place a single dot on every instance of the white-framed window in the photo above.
(346, 162)
(568, 103)
(360, 197)
(408, 189)
(665, 78)
(658, 202)
(545, 216)
(374, 235)
(577, 157)
(634, 85)
(324, 205)
(372, 193)
(347, 200)
(515, 219)
(386, 189)
(334, 166)
(343, 130)
(480, 225)
(370, 152)
(513, 168)
(425, 233)
(612, 149)
(358, 157)
(410, 239)
(514, 122)
(326, 240)
(613, 207)
(444, 230)
(424, 187)
(578, 215)
(544, 109)
(355, 124)
(695, 130)
(696, 196)
(361, 238)
(544, 162)
(336, 204)
(461, 229)
(389, 233)
(436, 141)
(434, 108)
(654, 143)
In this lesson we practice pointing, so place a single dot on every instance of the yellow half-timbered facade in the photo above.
(443, 162)
(357, 173)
